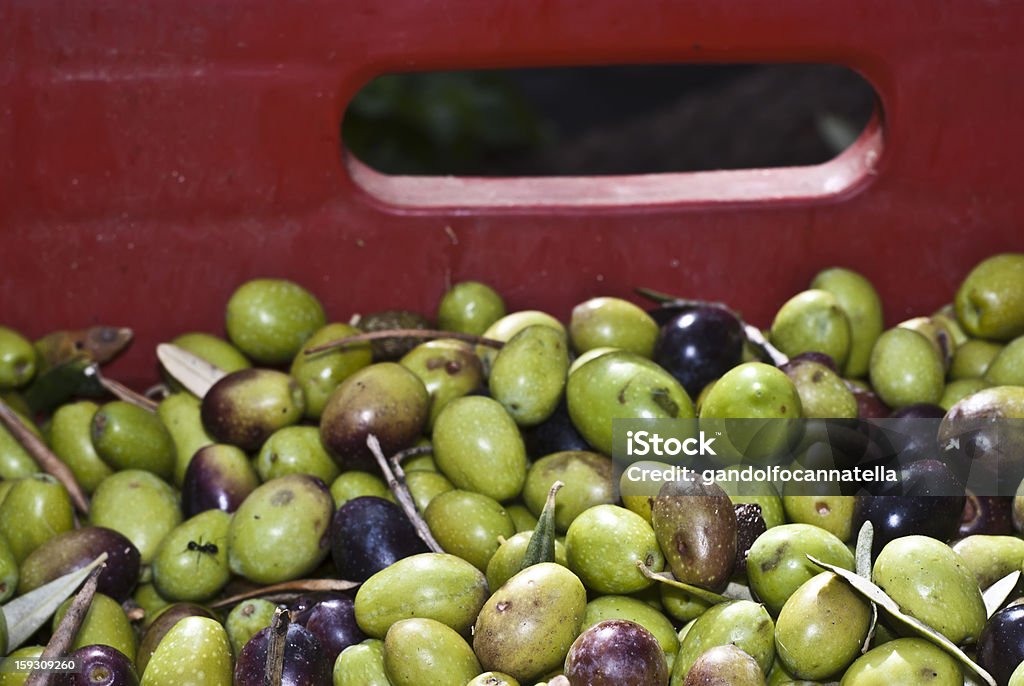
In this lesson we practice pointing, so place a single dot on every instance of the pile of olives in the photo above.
(215, 511)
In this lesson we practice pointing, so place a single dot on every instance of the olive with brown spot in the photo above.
(245, 407)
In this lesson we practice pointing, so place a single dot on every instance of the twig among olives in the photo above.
(43, 456)
(275, 650)
(299, 586)
(396, 482)
(62, 639)
(404, 333)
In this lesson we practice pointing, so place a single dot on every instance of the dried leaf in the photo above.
(876, 595)
(191, 371)
(996, 594)
(26, 614)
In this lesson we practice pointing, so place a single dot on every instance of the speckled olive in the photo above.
(71, 440)
(973, 358)
(990, 558)
(319, 374)
(821, 628)
(526, 627)
(280, 531)
(469, 525)
(181, 413)
(246, 620)
(813, 321)
(990, 301)
(695, 524)
(588, 482)
(195, 652)
(384, 399)
(361, 665)
(121, 497)
(904, 661)
(270, 319)
(355, 484)
(822, 393)
(508, 560)
(932, 583)
(739, 622)
(478, 447)
(425, 652)
(192, 561)
(36, 509)
(433, 585)
(906, 369)
(603, 546)
(863, 308)
(528, 375)
(508, 326)
(295, 450)
(448, 368)
(128, 437)
(777, 563)
(612, 322)
(245, 407)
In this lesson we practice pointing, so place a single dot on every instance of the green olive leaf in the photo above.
(27, 613)
(865, 538)
(876, 595)
(996, 594)
(696, 591)
(541, 547)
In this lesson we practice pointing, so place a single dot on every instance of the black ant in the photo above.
(200, 547)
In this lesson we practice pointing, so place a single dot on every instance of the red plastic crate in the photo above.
(155, 155)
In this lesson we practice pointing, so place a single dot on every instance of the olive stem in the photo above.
(275, 650)
(70, 623)
(297, 586)
(417, 450)
(120, 391)
(398, 487)
(404, 333)
(43, 456)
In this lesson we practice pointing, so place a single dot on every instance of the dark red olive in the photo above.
(895, 516)
(75, 549)
(991, 515)
(919, 411)
(100, 665)
(869, 405)
(616, 652)
(749, 526)
(304, 661)
(368, 534)
(1001, 645)
(333, 621)
(218, 477)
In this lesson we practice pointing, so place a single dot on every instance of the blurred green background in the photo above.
(606, 120)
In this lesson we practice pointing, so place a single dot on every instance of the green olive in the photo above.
(195, 652)
(740, 622)
(181, 413)
(270, 319)
(246, 620)
(1007, 369)
(777, 563)
(105, 623)
(990, 558)
(295, 450)
(603, 546)
(587, 479)
(508, 560)
(469, 525)
(122, 496)
(280, 531)
(425, 652)
(478, 447)
(470, 307)
(192, 562)
(448, 368)
(821, 628)
(859, 300)
(612, 322)
(990, 301)
(955, 391)
(36, 509)
(931, 582)
(906, 369)
(18, 361)
(528, 375)
(432, 585)
(213, 349)
(508, 326)
(126, 436)
(320, 373)
(71, 440)
(904, 661)
(354, 484)
(973, 358)
(361, 664)
(813, 321)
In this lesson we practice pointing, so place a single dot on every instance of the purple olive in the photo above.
(333, 622)
(820, 358)
(75, 549)
(554, 435)
(616, 652)
(895, 516)
(699, 345)
(919, 411)
(869, 405)
(368, 534)
(749, 526)
(1001, 645)
(100, 665)
(991, 515)
(304, 661)
(218, 477)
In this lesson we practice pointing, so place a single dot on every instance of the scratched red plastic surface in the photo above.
(155, 155)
